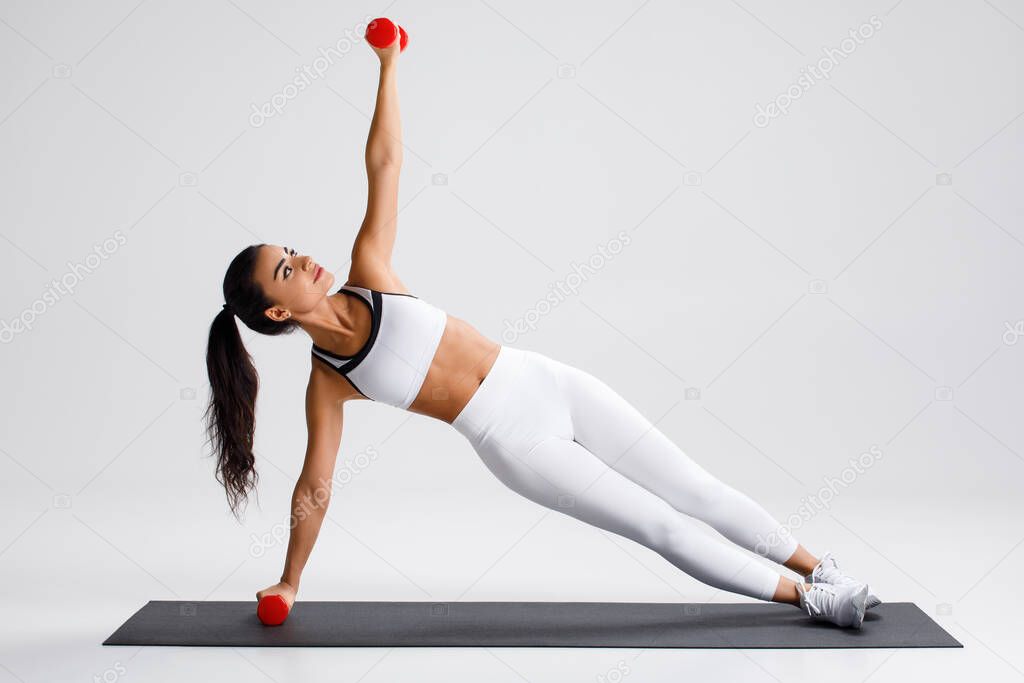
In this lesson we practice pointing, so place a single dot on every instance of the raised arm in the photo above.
(371, 251)
(312, 493)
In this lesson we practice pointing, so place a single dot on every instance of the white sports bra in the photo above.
(404, 335)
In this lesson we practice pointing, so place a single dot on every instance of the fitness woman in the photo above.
(549, 431)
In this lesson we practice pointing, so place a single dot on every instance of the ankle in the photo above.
(802, 562)
(788, 591)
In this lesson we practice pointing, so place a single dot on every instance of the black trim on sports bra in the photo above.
(352, 361)
(361, 354)
(338, 356)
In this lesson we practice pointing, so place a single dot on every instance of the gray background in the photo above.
(839, 279)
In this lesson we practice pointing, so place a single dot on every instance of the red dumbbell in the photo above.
(272, 610)
(381, 33)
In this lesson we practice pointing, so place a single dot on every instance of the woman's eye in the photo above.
(287, 271)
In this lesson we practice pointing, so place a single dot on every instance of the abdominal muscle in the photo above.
(462, 360)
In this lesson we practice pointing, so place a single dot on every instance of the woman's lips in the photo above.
(316, 273)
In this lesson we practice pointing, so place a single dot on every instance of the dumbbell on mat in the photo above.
(272, 610)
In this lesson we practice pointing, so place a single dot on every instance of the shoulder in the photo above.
(375, 276)
(325, 386)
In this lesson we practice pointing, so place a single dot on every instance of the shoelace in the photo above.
(825, 593)
(829, 568)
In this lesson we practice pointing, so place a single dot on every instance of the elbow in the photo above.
(310, 498)
(383, 162)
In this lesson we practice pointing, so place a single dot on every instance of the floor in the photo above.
(55, 618)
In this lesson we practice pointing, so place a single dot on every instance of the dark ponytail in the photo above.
(231, 415)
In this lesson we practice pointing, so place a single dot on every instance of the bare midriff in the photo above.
(462, 360)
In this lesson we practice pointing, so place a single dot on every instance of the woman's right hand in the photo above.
(285, 590)
(389, 54)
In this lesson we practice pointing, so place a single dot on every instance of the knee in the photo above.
(699, 497)
(709, 493)
(668, 534)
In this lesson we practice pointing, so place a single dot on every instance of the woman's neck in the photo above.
(332, 324)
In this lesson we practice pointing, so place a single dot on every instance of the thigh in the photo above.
(615, 431)
(562, 475)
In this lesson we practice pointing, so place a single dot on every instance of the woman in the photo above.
(549, 431)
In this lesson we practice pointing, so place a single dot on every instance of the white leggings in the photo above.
(566, 440)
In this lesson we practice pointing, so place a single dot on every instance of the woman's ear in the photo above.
(278, 314)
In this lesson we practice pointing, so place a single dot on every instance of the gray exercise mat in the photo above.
(524, 624)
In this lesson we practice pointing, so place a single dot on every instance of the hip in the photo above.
(519, 403)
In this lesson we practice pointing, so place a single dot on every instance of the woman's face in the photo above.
(294, 283)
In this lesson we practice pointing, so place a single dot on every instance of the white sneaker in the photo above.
(827, 571)
(841, 605)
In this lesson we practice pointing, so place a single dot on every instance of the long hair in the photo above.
(231, 414)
